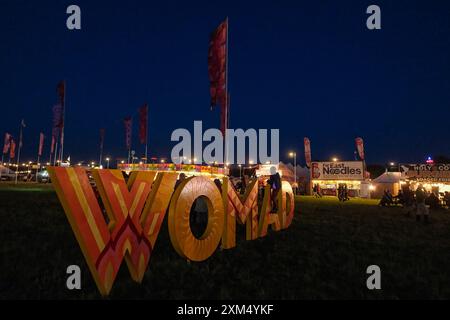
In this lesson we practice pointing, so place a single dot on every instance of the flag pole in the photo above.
(56, 153)
(226, 102)
(64, 123)
(20, 147)
(38, 167)
(146, 137)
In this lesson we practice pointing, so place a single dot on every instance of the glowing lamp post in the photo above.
(294, 155)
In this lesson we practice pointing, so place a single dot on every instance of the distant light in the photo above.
(122, 162)
(372, 187)
(430, 160)
(107, 159)
(392, 164)
(162, 161)
(292, 154)
(335, 159)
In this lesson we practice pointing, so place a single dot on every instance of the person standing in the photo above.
(422, 209)
(275, 187)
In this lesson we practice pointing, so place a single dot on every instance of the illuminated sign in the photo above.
(337, 170)
(135, 210)
(426, 172)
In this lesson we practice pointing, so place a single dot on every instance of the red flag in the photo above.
(217, 69)
(360, 147)
(41, 143)
(12, 150)
(102, 138)
(57, 120)
(61, 92)
(143, 123)
(7, 143)
(307, 144)
(128, 125)
(52, 147)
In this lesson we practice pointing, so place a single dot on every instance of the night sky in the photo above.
(309, 68)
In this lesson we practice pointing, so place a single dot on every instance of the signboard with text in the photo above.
(426, 172)
(337, 170)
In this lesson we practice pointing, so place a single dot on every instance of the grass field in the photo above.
(323, 255)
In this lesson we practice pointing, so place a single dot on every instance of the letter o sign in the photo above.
(183, 240)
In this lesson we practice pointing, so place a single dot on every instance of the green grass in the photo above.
(323, 255)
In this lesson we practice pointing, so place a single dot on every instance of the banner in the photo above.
(128, 127)
(52, 147)
(143, 123)
(7, 143)
(57, 121)
(431, 173)
(307, 144)
(41, 143)
(12, 150)
(217, 70)
(22, 125)
(61, 93)
(340, 170)
(360, 147)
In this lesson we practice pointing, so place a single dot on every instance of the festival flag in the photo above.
(52, 147)
(22, 125)
(128, 127)
(307, 144)
(7, 143)
(61, 92)
(143, 123)
(12, 150)
(217, 70)
(41, 143)
(57, 120)
(360, 147)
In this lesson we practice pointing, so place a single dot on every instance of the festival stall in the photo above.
(329, 175)
(433, 177)
(387, 181)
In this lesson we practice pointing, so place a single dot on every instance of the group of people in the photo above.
(317, 192)
(343, 192)
(419, 201)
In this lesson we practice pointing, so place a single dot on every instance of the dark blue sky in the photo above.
(310, 68)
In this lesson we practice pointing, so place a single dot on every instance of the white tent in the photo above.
(388, 177)
(387, 181)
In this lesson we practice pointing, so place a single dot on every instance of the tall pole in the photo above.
(64, 123)
(227, 106)
(38, 168)
(101, 157)
(20, 147)
(56, 153)
(295, 172)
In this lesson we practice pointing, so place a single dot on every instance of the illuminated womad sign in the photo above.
(136, 210)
